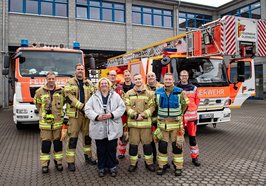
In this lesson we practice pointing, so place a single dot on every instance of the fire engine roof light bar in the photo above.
(24, 43)
(76, 45)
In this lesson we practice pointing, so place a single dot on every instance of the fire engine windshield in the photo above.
(202, 71)
(38, 63)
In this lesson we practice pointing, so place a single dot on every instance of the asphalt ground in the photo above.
(233, 153)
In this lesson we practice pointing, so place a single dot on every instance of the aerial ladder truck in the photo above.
(219, 57)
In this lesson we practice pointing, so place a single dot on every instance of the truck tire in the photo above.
(19, 125)
(204, 125)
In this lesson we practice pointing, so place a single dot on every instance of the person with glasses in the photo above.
(191, 117)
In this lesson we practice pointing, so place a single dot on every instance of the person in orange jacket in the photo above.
(190, 116)
(122, 142)
(118, 88)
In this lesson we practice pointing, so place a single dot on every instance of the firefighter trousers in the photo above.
(122, 145)
(178, 160)
(137, 135)
(192, 130)
(77, 125)
(47, 138)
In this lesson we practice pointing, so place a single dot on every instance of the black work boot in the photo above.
(89, 160)
(161, 171)
(121, 156)
(150, 167)
(178, 172)
(196, 162)
(58, 167)
(132, 168)
(45, 169)
(71, 167)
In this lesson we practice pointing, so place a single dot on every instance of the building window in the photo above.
(152, 16)
(100, 10)
(191, 21)
(250, 11)
(32, 6)
(40, 7)
(16, 5)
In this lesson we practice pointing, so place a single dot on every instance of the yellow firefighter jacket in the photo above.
(139, 103)
(50, 107)
(153, 89)
(71, 91)
(157, 85)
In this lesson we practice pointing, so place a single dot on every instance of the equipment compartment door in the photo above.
(241, 74)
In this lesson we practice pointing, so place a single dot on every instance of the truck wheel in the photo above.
(19, 126)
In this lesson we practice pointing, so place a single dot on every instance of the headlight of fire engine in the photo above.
(227, 102)
(227, 115)
(206, 102)
(22, 111)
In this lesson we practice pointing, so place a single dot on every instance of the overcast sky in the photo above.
(215, 3)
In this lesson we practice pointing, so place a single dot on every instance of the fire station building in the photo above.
(108, 28)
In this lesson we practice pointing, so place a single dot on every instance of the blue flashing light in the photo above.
(24, 43)
(170, 50)
(76, 45)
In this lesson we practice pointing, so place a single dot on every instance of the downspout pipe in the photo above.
(3, 52)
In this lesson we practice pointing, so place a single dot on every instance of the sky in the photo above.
(214, 3)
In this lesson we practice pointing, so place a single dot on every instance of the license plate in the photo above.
(206, 116)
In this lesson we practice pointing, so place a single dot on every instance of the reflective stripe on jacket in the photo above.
(72, 96)
(139, 103)
(157, 85)
(170, 108)
(50, 108)
(194, 100)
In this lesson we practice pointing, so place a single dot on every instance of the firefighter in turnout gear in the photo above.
(172, 102)
(153, 85)
(49, 101)
(139, 106)
(191, 116)
(78, 90)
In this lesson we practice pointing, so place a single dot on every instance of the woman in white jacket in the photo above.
(104, 109)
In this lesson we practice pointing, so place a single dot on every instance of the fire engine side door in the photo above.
(241, 74)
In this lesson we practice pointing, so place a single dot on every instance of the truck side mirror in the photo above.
(6, 62)
(22, 60)
(241, 71)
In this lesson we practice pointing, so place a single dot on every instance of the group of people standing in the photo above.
(115, 114)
